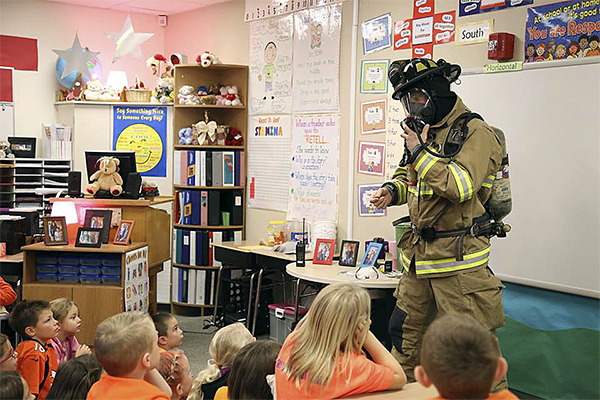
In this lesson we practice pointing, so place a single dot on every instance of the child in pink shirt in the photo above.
(65, 343)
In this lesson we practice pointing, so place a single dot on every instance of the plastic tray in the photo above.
(90, 270)
(46, 269)
(45, 277)
(68, 278)
(68, 260)
(108, 261)
(47, 259)
(90, 279)
(90, 261)
(111, 280)
(113, 271)
(68, 269)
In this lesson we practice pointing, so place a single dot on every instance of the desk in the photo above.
(410, 391)
(11, 270)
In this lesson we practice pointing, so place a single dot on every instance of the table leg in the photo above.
(296, 300)
(257, 300)
(219, 277)
(249, 313)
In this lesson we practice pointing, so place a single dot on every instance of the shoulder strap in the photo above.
(459, 132)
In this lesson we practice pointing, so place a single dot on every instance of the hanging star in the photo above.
(128, 41)
(76, 58)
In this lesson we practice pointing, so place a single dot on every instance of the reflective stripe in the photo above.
(399, 172)
(463, 181)
(424, 190)
(425, 163)
(447, 264)
(401, 188)
(488, 181)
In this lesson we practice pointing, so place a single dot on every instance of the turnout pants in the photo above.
(476, 293)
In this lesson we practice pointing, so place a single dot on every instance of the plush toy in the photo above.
(222, 96)
(76, 92)
(234, 138)
(232, 98)
(109, 94)
(107, 177)
(5, 151)
(207, 59)
(202, 91)
(93, 90)
(185, 135)
(150, 189)
(209, 99)
(215, 89)
(187, 96)
(164, 91)
(207, 132)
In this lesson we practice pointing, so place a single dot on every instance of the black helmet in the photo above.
(403, 74)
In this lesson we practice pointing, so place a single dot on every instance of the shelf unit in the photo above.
(185, 116)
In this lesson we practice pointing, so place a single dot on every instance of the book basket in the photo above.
(138, 95)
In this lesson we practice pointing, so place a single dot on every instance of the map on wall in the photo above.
(270, 83)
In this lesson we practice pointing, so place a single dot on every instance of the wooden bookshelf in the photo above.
(187, 115)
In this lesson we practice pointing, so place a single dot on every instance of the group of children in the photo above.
(331, 353)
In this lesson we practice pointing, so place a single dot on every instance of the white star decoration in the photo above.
(128, 41)
(76, 58)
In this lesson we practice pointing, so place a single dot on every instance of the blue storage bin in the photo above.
(111, 271)
(111, 280)
(68, 260)
(90, 260)
(68, 278)
(47, 258)
(90, 270)
(47, 269)
(90, 279)
(108, 261)
(68, 269)
(46, 277)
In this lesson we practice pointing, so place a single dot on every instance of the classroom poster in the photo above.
(365, 208)
(143, 130)
(570, 29)
(317, 59)
(314, 168)
(270, 80)
(373, 116)
(137, 285)
(377, 33)
(261, 9)
(269, 154)
(373, 76)
(394, 143)
(371, 158)
(472, 7)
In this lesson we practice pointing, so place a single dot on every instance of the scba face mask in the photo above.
(418, 104)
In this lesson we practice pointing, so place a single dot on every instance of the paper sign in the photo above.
(423, 51)
(402, 34)
(374, 76)
(472, 7)
(371, 158)
(443, 27)
(373, 116)
(394, 143)
(377, 33)
(137, 286)
(503, 67)
(423, 8)
(365, 208)
(476, 32)
(422, 31)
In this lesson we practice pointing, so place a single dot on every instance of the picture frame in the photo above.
(371, 254)
(89, 237)
(100, 219)
(323, 253)
(55, 231)
(349, 253)
(123, 232)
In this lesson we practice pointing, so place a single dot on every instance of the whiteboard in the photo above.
(550, 118)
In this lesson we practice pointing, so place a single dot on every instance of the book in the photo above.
(217, 168)
(228, 168)
(242, 168)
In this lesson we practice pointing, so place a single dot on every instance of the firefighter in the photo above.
(445, 178)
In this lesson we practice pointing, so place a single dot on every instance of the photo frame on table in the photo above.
(323, 253)
(89, 237)
(371, 255)
(349, 253)
(100, 219)
(123, 233)
(55, 231)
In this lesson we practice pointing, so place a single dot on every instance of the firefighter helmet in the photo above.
(403, 74)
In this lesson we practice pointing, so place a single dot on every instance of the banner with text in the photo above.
(472, 7)
(315, 168)
(393, 141)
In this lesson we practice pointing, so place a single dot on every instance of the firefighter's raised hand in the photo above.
(411, 138)
(381, 198)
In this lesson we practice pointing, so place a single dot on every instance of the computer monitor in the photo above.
(126, 164)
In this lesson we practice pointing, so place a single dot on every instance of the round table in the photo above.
(328, 274)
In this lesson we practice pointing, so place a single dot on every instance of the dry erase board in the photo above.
(550, 118)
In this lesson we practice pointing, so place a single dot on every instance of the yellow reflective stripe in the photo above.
(463, 181)
(399, 172)
(453, 259)
(401, 187)
(455, 268)
(425, 163)
(488, 181)
(404, 260)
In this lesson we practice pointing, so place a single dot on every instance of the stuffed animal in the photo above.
(185, 135)
(109, 94)
(207, 132)
(234, 138)
(207, 59)
(187, 96)
(232, 98)
(222, 96)
(93, 90)
(202, 91)
(215, 89)
(5, 151)
(164, 91)
(107, 177)
(150, 189)
(209, 99)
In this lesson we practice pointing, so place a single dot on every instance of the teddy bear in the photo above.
(209, 99)
(222, 96)
(207, 59)
(163, 93)
(234, 138)
(107, 177)
(187, 96)
(5, 151)
(185, 135)
(93, 90)
(109, 94)
(232, 98)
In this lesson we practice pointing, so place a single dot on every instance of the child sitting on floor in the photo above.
(12, 386)
(75, 377)
(175, 368)
(461, 359)
(8, 356)
(169, 333)
(36, 360)
(224, 346)
(126, 345)
(322, 357)
(65, 343)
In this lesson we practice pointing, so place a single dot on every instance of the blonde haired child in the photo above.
(126, 345)
(224, 346)
(175, 368)
(323, 359)
(65, 343)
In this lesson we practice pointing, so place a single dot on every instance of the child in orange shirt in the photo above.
(169, 333)
(65, 343)
(175, 368)
(126, 345)
(461, 359)
(8, 356)
(36, 360)
(323, 359)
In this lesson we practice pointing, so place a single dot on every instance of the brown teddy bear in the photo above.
(107, 177)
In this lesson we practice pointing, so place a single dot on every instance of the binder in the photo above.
(209, 168)
(180, 286)
(184, 289)
(197, 169)
(179, 247)
(228, 168)
(217, 238)
(207, 285)
(236, 163)
(192, 286)
(187, 207)
(204, 208)
(203, 168)
(175, 288)
(214, 207)
(237, 236)
(176, 169)
(186, 248)
(193, 247)
(200, 279)
(233, 202)
(191, 168)
(183, 168)
(217, 168)
(210, 248)
(195, 217)
(242, 168)
(198, 250)
(205, 249)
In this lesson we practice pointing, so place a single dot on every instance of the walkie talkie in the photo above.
(301, 249)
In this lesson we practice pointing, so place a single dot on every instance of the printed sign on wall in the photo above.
(472, 7)
(373, 116)
(365, 208)
(137, 286)
(476, 32)
(377, 34)
(371, 158)
(373, 76)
